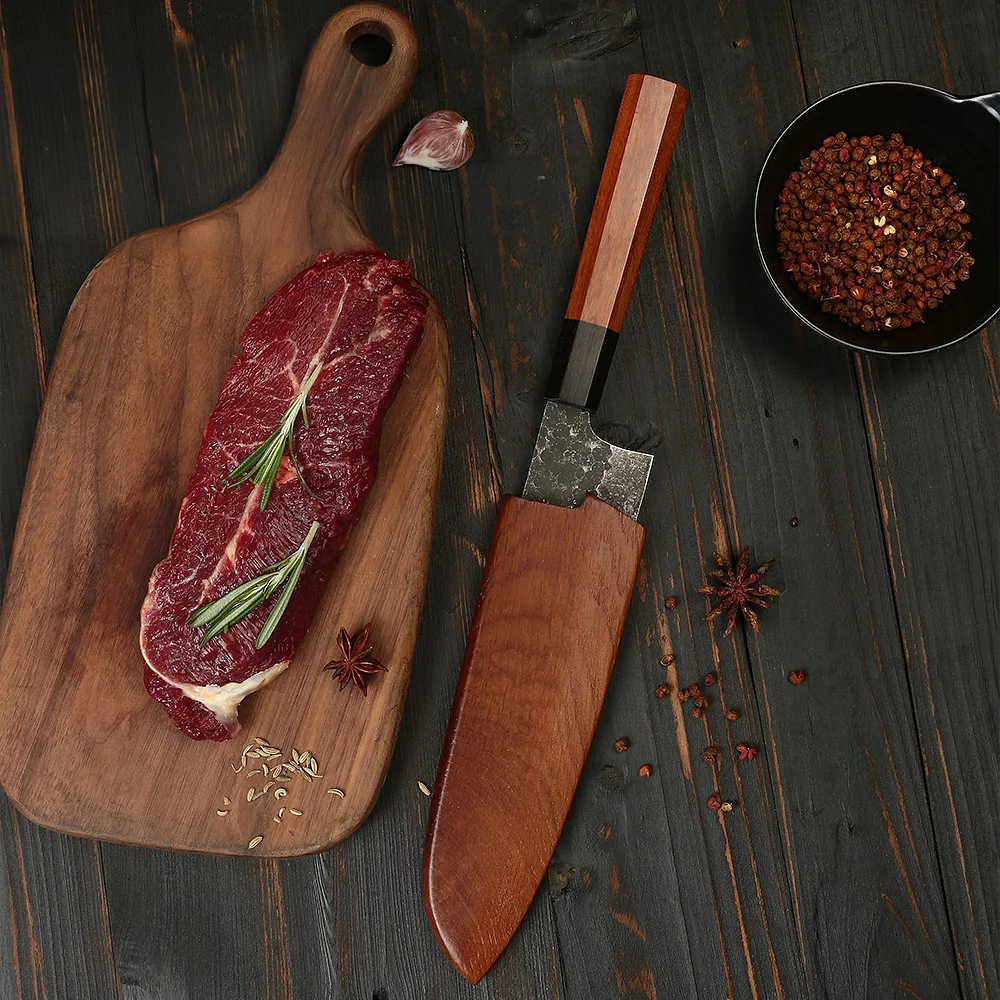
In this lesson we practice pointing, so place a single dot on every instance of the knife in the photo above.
(555, 590)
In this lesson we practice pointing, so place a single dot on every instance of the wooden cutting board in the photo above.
(137, 371)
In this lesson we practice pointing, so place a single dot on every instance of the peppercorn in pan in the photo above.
(873, 231)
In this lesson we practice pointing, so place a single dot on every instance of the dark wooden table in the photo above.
(862, 860)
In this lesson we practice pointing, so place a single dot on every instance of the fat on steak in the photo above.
(360, 316)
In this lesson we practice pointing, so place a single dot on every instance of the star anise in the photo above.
(736, 589)
(357, 663)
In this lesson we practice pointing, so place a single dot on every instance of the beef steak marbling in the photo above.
(360, 316)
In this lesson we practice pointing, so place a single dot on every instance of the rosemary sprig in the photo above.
(224, 612)
(261, 465)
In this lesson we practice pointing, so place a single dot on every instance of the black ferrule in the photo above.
(580, 368)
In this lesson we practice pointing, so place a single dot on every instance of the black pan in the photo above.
(962, 135)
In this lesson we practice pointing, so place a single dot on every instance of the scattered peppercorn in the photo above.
(645, 771)
(873, 231)
(667, 660)
(794, 522)
(796, 676)
(726, 807)
(708, 680)
(731, 714)
(711, 754)
(621, 744)
(670, 603)
(715, 801)
(752, 753)
(746, 752)
(697, 712)
(683, 695)
(662, 690)
(701, 701)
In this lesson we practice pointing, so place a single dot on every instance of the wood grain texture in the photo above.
(936, 498)
(634, 170)
(135, 356)
(808, 890)
(556, 588)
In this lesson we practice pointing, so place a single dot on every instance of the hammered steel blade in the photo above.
(570, 461)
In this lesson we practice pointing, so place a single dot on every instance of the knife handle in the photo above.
(553, 601)
(648, 121)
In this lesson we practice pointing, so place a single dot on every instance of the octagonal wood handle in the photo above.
(643, 140)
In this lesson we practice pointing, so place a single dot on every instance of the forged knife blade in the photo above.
(556, 587)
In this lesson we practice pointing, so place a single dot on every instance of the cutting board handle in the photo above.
(341, 102)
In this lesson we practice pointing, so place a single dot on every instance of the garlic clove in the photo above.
(441, 141)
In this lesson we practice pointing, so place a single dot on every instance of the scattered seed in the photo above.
(670, 603)
(225, 800)
(250, 794)
(268, 784)
(697, 712)
(295, 812)
(708, 680)
(662, 690)
(711, 754)
(714, 801)
(280, 793)
(423, 788)
(253, 843)
(250, 774)
(264, 768)
(667, 660)
(645, 771)
(621, 744)
(726, 807)
(221, 812)
(281, 812)
(796, 676)
(277, 819)
(731, 714)
(335, 791)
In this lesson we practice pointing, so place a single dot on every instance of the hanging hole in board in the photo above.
(370, 43)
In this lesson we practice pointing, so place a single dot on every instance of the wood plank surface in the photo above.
(861, 859)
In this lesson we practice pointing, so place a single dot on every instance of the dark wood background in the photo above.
(863, 858)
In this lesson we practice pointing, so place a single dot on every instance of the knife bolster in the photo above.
(552, 606)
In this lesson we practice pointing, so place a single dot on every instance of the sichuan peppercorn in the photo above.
(872, 231)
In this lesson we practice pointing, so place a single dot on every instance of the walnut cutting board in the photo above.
(138, 369)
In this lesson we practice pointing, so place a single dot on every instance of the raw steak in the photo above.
(360, 316)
